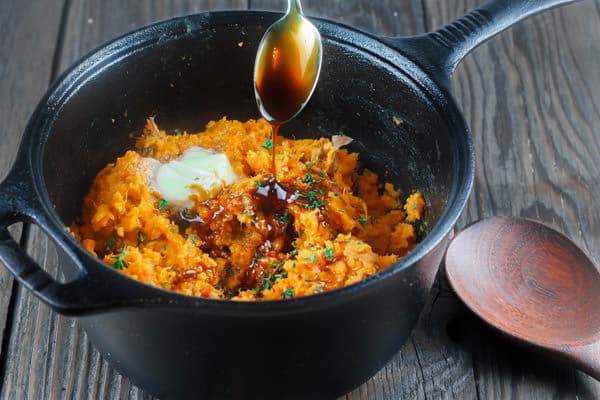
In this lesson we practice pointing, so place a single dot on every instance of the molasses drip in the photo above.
(272, 201)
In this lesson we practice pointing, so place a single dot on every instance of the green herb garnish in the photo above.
(363, 221)
(315, 204)
(287, 294)
(110, 242)
(282, 218)
(268, 144)
(318, 289)
(120, 263)
(162, 204)
(322, 174)
(328, 253)
(309, 165)
(313, 258)
(260, 184)
(194, 239)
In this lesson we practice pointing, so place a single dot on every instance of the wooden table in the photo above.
(531, 97)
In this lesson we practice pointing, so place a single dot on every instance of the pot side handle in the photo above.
(441, 51)
(88, 292)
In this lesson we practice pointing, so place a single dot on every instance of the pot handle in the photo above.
(88, 293)
(439, 52)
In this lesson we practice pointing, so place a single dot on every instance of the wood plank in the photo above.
(25, 69)
(384, 17)
(49, 356)
(531, 98)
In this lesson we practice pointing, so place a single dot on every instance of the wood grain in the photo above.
(532, 99)
(25, 69)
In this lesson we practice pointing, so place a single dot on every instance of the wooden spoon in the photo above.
(533, 284)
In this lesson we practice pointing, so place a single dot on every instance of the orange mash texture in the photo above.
(347, 227)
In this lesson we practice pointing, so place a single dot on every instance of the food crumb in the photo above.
(113, 120)
(397, 120)
(240, 44)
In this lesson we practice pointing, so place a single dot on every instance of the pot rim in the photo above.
(42, 120)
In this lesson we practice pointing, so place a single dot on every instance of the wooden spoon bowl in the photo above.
(532, 283)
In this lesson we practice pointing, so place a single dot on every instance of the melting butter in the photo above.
(199, 172)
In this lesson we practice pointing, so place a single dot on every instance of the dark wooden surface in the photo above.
(531, 97)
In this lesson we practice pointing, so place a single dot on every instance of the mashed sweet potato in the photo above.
(336, 226)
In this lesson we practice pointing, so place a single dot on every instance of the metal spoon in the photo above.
(533, 284)
(287, 66)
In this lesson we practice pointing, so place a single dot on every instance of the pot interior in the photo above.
(188, 71)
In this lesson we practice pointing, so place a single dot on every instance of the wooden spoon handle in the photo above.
(586, 358)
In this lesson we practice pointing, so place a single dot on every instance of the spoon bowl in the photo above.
(287, 66)
(533, 284)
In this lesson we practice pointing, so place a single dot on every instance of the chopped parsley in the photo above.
(313, 258)
(110, 242)
(120, 263)
(363, 221)
(315, 204)
(293, 252)
(287, 294)
(194, 239)
(259, 256)
(321, 174)
(282, 218)
(318, 289)
(309, 165)
(260, 184)
(274, 277)
(162, 204)
(328, 253)
(312, 195)
(268, 144)
(308, 178)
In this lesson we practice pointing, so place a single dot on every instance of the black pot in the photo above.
(186, 71)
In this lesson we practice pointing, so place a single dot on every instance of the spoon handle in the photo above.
(585, 357)
(295, 7)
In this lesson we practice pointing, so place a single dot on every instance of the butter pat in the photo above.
(199, 172)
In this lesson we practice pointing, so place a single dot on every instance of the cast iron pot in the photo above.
(187, 71)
